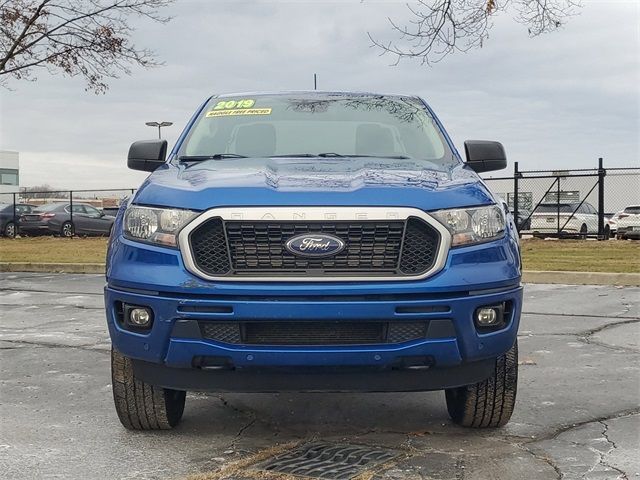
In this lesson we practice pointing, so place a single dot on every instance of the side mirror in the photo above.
(147, 155)
(484, 156)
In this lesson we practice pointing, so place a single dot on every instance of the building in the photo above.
(9, 171)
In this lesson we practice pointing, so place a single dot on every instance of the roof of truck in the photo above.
(314, 93)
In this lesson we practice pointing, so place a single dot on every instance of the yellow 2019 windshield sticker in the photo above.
(239, 111)
(244, 106)
(231, 104)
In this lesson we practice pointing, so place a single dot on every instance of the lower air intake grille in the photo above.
(313, 333)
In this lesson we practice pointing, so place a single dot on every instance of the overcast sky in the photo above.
(558, 101)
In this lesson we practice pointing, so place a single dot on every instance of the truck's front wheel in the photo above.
(488, 403)
(141, 406)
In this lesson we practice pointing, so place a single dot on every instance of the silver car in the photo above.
(57, 219)
(628, 222)
(550, 219)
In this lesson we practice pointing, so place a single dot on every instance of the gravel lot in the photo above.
(578, 411)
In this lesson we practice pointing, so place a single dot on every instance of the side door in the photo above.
(591, 218)
(81, 221)
(98, 223)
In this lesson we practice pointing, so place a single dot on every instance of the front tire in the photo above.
(67, 229)
(141, 406)
(10, 230)
(489, 403)
(583, 231)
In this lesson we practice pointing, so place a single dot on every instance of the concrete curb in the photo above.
(581, 278)
(52, 267)
(528, 276)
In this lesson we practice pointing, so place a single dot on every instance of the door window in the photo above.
(91, 211)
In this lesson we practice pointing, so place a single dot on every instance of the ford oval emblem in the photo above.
(315, 245)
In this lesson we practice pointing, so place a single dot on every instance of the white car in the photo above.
(628, 222)
(574, 219)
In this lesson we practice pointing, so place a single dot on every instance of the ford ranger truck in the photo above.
(313, 242)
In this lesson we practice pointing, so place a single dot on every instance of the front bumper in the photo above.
(154, 277)
(629, 232)
(340, 379)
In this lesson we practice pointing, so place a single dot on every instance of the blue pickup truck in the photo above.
(315, 242)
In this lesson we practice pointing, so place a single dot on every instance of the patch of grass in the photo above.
(616, 256)
(53, 250)
(566, 255)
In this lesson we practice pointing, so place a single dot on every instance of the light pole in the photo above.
(159, 125)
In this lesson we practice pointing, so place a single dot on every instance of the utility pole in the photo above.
(315, 81)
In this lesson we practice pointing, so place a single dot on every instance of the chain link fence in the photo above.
(60, 212)
(555, 203)
(569, 203)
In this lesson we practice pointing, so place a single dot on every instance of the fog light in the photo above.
(490, 317)
(140, 317)
(486, 317)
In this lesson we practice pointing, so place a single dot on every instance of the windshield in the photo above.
(553, 208)
(633, 209)
(311, 125)
(48, 207)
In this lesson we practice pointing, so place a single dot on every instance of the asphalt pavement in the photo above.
(577, 415)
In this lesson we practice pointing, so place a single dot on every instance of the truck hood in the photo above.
(295, 181)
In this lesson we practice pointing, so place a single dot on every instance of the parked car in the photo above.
(574, 219)
(628, 223)
(113, 211)
(313, 242)
(7, 223)
(55, 219)
(610, 225)
(524, 219)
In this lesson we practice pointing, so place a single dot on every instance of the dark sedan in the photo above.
(8, 220)
(524, 219)
(56, 219)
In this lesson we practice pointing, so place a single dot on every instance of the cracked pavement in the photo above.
(577, 415)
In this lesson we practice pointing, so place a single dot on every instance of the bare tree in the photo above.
(42, 191)
(90, 38)
(441, 27)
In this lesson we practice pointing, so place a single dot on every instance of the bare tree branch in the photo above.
(90, 38)
(438, 28)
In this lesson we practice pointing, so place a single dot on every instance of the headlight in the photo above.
(472, 225)
(155, 225)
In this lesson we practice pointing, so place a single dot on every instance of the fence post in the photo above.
(559, 191)
(515, 196)
(73, 230)
(15, 219)
(601, 174)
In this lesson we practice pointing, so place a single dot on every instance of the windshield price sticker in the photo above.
(233, 104)
(225, 108)
(247, 111)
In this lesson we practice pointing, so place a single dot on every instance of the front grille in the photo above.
(313, 333)
(257, 248)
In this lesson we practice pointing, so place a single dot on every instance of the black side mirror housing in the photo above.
(485, 156)
(147, 155)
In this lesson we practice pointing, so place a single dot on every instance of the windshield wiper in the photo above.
(310, 155)
(393, 157)
(215, 156)
(303, 155)
(338, 155)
